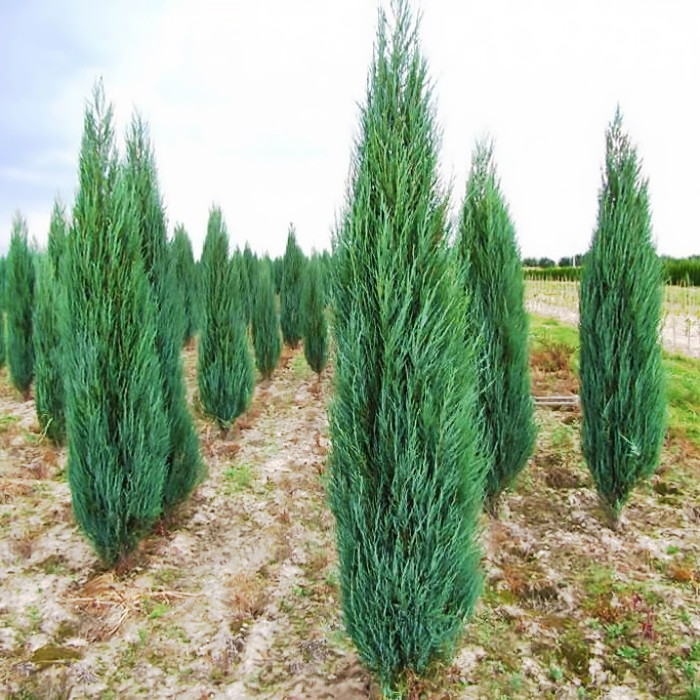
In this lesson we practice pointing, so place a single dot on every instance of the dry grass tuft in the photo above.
(249, 594)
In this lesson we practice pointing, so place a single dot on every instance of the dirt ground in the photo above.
(236, 595)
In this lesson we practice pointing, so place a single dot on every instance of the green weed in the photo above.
(238, 477)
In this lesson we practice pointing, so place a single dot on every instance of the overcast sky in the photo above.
(254, 106)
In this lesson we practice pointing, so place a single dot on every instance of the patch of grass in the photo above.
(683, 393)
(300, 368)
(555, 674)
(158, 610)
(557, 340)
(165, 577)
(575, 653)
(548, 333)
(238, 477)
(7, 420)
(35, 618)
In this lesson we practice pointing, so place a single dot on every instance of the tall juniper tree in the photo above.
(291, 289)
(118, 435)
(184, 463)
(225, 368)
(19, 300)
(405, 484)
(187, 279)
(497, 323)
(265, 322)
(314, 316)
(620, 304)
(3, 344)
(49, 389)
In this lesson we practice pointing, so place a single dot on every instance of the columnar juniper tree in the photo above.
(265, 322)
(58, 231)
(621, 297)
(497, 321)
(314, 316)
(19, 299)
(186, 274)
(3, 272)
(225, 368)
(405, 485)
(49, 389)
(278, 273)
(248, 280)
(184, 464)
(291, 291)
(118, 436)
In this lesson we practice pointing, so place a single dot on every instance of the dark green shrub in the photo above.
(291, 292)
(405, 485)
(225, 368)
(497, 320)
(49, 389)
(265, 323)
(185, 468)
(313, 312)
(187, 279)
(620, 307)
(118, 433)
(19, 300)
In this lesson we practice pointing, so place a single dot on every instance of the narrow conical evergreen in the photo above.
(291, 290)
(184, 464)
(58, 231)
(265, 323)
(187, 279)
(248, 280)
(3, 346)
(405, 484)
(118, 433)
(19, 300)
(498, 324)
(225, 368)
(313, 312)
(620, 315)
(278, 273)
(49, 385)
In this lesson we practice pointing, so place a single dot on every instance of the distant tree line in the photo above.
(677, 271)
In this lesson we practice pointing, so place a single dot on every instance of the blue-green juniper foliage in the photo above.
(225, 368)
(291, 291)
(19, 299)
(184, 464)
(622, 392)
(187, 281)
(118, 434)
(265, 322)
(314, 316)
(49, 385)
(497, 323)
(405, 485)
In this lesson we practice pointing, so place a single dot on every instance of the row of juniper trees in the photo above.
(432, 415)
(97, 322)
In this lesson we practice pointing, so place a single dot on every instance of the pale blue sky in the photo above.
(254, 106)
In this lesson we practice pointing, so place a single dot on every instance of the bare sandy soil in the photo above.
(236, 594)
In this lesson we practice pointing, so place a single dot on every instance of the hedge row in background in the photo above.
(684, 272)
